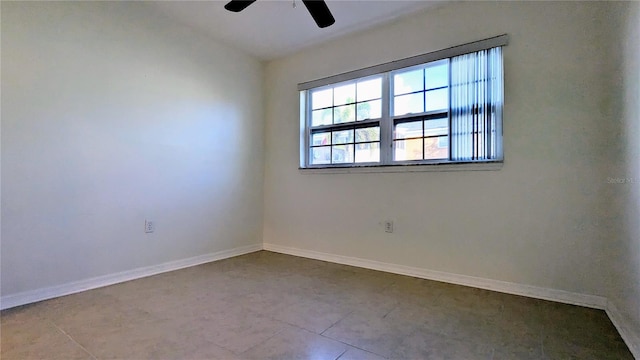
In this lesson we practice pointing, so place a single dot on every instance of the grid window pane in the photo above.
(408, 130)
(321, 117)
(345, 113)
(436, 127)
(369, 110)
(408, 82)
(343, 136)
(320, 155)
(342, 154)
(436, 148)
(436, 74)
(408, 149)
(408, 104)
(321, 139)
(437, 100)
(370, 89)
(368, 134)
(443, 142)
(321, 99)
(369, 152)
(344, 94)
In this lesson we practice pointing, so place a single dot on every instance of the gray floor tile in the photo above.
(295, 343)
(272, 306)
(358, 354)
(423, 344)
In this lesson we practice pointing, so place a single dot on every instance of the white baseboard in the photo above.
(32, 296)
(591, 301)
(629, 334)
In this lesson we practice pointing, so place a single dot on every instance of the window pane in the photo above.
(321, 117)
(437, 100)
(343, 137)
(436, 127)
(443, 142)
(321, 99)
(342, 154)
(407, 82)
(368, 134)
(370, 89)
(408, 130)
(437, 74)
(436, 148)
(342, 114)
(344, 94)
(408, 150)
(321, 139)
(408, 104)
(369, 110)
(320, 155)
(369, 152)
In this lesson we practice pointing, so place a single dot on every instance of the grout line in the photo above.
(267, 339)
(324, 336)
(335, 323)
(74, 341)
(332, 339)
(344, 352)
(390, 311)
(353, 346)
(342, 342)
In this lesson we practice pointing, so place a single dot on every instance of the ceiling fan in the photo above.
(317, 8)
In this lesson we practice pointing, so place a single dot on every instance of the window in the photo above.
(345, 122)
(421, 90)
(442, 107)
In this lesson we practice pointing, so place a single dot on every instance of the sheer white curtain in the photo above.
(476, 105)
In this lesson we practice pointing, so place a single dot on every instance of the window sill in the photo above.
(470, 166)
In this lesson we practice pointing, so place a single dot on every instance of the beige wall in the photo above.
(541, 220)
(625, 189)
(111, 114)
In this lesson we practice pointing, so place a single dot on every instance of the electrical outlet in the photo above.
(149, 226)
(388, 226)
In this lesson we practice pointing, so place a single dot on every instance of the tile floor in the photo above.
(271, 306)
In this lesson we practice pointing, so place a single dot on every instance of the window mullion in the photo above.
(386, 122)
(305, 102)
(449, 110)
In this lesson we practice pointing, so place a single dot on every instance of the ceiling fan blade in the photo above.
(320, 12)
(238, 5)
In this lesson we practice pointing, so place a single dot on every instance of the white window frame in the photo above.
(387, 120)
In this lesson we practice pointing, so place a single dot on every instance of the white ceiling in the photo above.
(273, 28)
